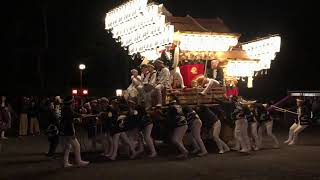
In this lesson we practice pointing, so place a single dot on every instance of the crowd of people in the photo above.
(147, 88)
(28, 114)
(120, 121)
(134, 120)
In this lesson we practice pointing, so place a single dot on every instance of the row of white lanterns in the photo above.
(160, 40)
(241, 68)
(147, 33)
(151, 54)
(144, 33)
(137, 25)
(264, 50)
(207, 42)
(125, 13)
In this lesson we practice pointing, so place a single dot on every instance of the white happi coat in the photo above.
(164, 78)
(132, 89)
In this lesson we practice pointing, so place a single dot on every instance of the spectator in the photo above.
(44, 113)
(5, 117)
(58, 107)
(33, 116)
(23, 124)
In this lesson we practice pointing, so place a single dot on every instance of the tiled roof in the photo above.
(198, 24)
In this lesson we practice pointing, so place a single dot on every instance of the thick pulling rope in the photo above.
(279, 102)
(283, 110)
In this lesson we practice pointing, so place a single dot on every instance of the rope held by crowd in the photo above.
(283, 110)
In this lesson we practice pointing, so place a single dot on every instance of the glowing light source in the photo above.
(85, 92)
(151, 55)
(82, 67)
(141, 27)
(74, 91)
(161, 39)
(265, 50)
(250, 82)
(125, 12)
(119, 92)
(315, 94)
(241, 68)
(200, 42)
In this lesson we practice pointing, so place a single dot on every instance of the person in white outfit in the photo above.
(241, 129)
(152, 78)
(149, 85)
(209, 84)
(144, 80)
(176, 79)
(163, 80)
(144, 73)
(135, 82)
(300, 123)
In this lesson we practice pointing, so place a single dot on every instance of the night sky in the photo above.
(76, 34)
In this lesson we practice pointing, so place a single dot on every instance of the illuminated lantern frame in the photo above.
(148, 29)
(203, 42)
(141, 27)
(264, 49)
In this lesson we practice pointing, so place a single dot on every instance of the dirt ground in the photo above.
(23, 158)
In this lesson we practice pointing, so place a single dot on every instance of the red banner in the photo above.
(234, 91)
(190, 71)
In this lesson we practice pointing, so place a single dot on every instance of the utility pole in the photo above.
(44, 7)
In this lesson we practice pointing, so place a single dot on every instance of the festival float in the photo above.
(189, 44)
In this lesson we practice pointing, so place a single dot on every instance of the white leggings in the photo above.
(268, 125)
(71, 142)
(147, 136)
(222, 146)
(254, 134)
(294, 131)
(125, 139)
(177, 138)
(107, 144)
(196, 136)
(241, 135)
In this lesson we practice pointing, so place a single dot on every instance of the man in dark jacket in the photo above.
(67, 131)
(215, 72)
(214, 77)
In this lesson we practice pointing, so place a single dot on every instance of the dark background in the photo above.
(76, 35)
